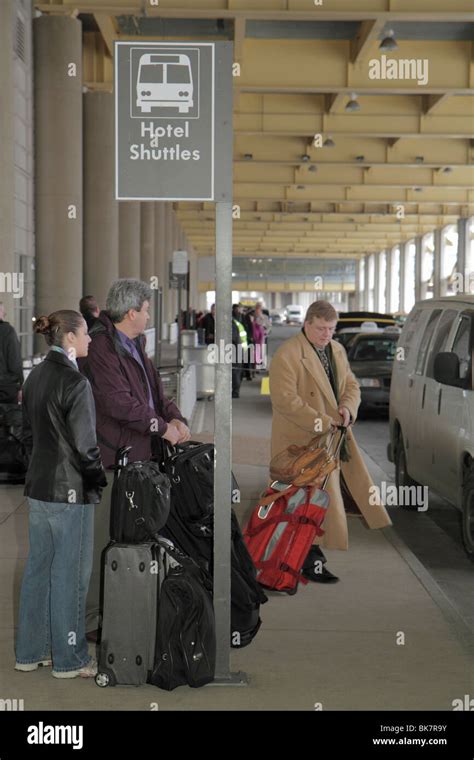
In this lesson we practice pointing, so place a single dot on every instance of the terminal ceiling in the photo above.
(399, 167)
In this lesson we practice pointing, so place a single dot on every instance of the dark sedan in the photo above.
(371, 356)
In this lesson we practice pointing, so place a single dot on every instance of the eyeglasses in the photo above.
(321, 330)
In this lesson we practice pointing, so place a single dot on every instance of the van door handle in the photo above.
(439, 400)
(410, 382)
(423, 397)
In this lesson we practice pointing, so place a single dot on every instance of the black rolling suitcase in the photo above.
(131, 572)
(130, 593)
(190, 468)
(13, 457)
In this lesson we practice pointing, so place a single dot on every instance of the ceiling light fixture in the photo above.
(353, 104)
(329, 143)
(305, 157)
(389, 42)
(248, 156)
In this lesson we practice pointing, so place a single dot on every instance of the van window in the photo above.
(462, 346)
(410, 327)
(441, 337)
(426, 340)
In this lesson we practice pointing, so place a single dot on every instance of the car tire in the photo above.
(402, 478)
(468, 511)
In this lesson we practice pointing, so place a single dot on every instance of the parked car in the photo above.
(371, 357)
(277, 317)
(347, 334)
(356, 318)
(294, 314)
(432, 404)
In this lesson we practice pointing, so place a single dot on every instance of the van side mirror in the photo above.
(446, 369)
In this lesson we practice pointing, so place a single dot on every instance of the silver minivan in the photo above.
(432, 403)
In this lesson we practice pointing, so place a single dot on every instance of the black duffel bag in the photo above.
(140, 501)
(185, 651)
(190, 468)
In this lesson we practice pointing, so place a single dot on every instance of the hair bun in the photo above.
(42, 325)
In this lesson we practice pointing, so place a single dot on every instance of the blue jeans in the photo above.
(55, 583)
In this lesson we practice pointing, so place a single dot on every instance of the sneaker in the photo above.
(27, 667)
(87, 671)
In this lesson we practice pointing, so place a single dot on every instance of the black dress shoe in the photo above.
(319, 576)
(235, 395)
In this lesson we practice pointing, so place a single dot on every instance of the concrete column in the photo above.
(366, 283)
(402, 248)
(147, 240)
(147, 246)
(463, 253)
(357, 283)
(418, 260)
(7, 153)
(101, 213)
(388, 281)
(437, 263)
(129, 239)
(58, 152)
(377, 282)
(168, 301)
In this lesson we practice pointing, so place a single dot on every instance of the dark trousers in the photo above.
(236, 380)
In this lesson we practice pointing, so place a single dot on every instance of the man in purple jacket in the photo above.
(131, 408)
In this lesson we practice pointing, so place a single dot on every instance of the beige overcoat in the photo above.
(301, 396)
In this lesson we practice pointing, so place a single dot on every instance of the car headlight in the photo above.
(369, 382)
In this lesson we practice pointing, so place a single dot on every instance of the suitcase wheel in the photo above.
(102, 679)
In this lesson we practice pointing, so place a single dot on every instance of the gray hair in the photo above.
(126, 294)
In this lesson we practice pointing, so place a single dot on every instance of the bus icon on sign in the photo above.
(164, 81)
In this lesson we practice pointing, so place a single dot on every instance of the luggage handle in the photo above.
(342, 430)
(121, 459)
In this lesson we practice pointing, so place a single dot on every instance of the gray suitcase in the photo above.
(132, 576)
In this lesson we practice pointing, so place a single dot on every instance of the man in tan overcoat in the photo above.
(312, 388)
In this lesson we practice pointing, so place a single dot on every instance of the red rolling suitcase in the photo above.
(282, 529)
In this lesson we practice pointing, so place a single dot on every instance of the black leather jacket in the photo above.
(59, 434)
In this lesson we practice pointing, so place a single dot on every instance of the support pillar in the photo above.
(402, 260)
(418, 268)
(58, 151)
(101, 213)
(437, 263)
(129, 239)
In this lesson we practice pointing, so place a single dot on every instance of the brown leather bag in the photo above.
(303, 465)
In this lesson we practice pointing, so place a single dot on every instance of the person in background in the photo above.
(208, 323)
(131, 406)
(89, 309)
(11, 367)
(246, 318)
(64, 481)
(239, 341)
(259, 335)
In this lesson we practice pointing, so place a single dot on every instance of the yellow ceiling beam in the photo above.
(108, 30)
(297, 10)
(362, 44)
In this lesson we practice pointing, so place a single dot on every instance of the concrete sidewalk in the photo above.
(382, 639)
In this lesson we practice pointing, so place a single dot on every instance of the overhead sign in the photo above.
(180, 262)
(165, 119)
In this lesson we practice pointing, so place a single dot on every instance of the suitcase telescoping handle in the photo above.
(332, 437)
(121, 459)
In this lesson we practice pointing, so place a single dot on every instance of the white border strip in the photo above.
(171, 44)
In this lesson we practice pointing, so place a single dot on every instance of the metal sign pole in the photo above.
(180, 290)
(158, 324)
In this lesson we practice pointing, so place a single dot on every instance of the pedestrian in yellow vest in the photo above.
(239, 341)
